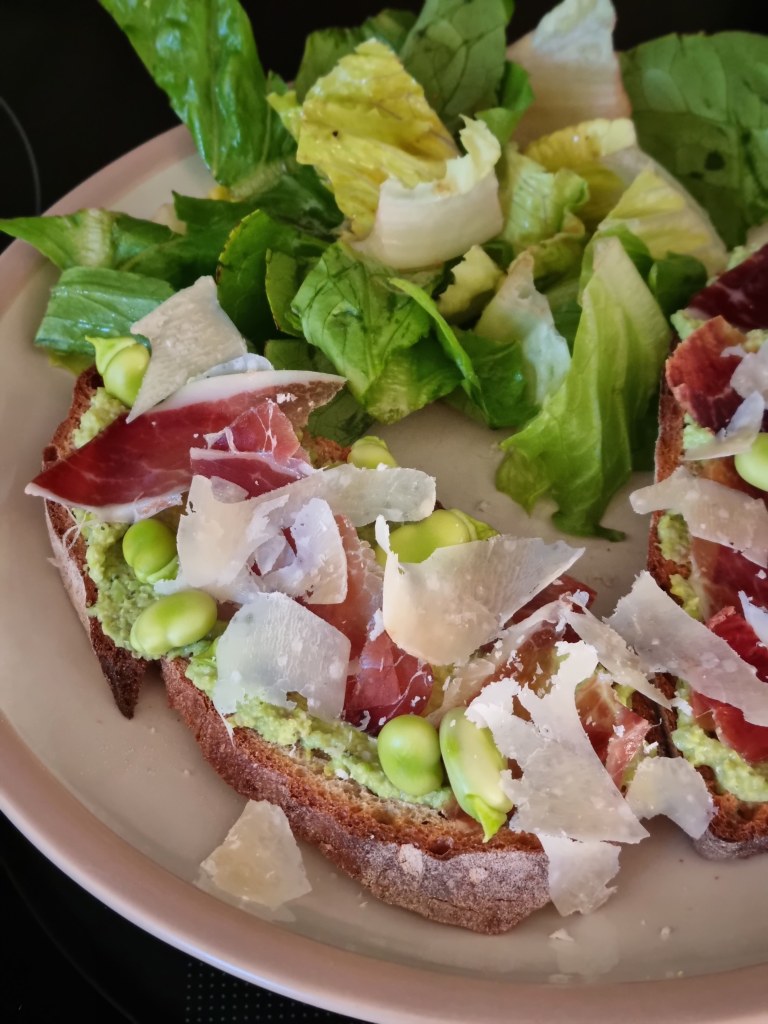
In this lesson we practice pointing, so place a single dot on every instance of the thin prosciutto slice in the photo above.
(132, 470)
(699, 375)
(386, 681)
(751, 741)
(259, 451)
(615, 732)
(740, 295)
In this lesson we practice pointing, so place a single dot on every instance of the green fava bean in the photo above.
(474, 766)
(409, 752)
(149, 547)
(369, 452)
(752, 465)
(173, 621)
(124, 374)
(413, 542)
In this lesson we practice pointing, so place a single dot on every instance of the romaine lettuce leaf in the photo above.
(88, 238)
(661, 214)
(202, 54)
(583, 444)
(369, 330)
(700, 105)
(242, 271)
(456, 50)
(324, 48)
(515, 96)
(538, 208)
(363, 122)
(96, 301)
(475, 278)
(438, 220)
(573, 69)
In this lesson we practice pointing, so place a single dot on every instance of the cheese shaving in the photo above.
(756, 617)
(259, 860)
(751, 375)
(442, 609)
(189, 333)
(564, 789)
(263, 653)
(711, 511)
(578, 873)
(622, 663)
(671, 786)
(317, 570)
(738, 436)
(669, 640)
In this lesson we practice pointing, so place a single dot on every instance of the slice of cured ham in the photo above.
(740, 295)
(132, 470)
(699, 374)
(751, 741)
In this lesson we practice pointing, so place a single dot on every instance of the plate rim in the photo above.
(147, 894)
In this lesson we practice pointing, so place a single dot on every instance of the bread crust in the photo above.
(121, 669)
(407, 855)
(739, 828)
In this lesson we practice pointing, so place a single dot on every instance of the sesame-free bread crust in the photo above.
(405, 854)
(739, 828)
(122, 670)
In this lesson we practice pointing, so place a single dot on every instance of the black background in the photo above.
(73, 97)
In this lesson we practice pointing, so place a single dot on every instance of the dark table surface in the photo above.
(73, 97)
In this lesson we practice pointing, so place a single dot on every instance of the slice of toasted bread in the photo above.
(406, 854)
(739, 828)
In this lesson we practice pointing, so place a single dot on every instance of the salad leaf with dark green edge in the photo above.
(700, 106)
(675, 280)
(500, 368)
(342, 419)
(412, 378)
(283, 278)
(88, 238)
(350, 311)
(202, 54)
(456, 50)
(448, 339)
(242, 271)
(515, 96)
(205, 214)
(96, 301)
(325, 47)
(581, 447)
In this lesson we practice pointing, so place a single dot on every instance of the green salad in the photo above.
(438, 215)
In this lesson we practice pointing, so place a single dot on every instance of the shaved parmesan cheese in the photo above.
(711, 511)
(578, 873)
(751, 375)
(671, 786)
(189, 333)
(317, 569)
(274, 646)
(564, 789)
(216, 539)
(737, 436)
(756, 617)
(240, 364)
(613, 653)
(669, 640)
(259, 859)
(444, 608)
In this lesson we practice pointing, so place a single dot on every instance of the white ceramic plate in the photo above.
(129, 809)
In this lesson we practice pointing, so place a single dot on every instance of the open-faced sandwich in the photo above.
(427, 215)
(709, 542)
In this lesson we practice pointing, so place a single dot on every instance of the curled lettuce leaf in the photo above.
(518, 312)
(539, 213)
(658, 211)
(590, 149)
(573, 69)
(583, 444)
(435, 221)
(365, 121)
(475, 278)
